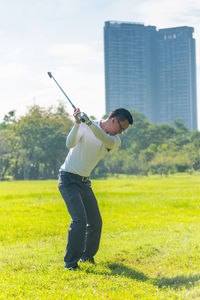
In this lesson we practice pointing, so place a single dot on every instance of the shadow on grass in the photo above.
(122, 270)
(175, 283)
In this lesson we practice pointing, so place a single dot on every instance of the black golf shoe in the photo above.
(72, 268)
(87, 259)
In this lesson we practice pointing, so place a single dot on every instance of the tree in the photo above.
(34, 146)
(7, 143)
(10, 117)
(5, 153)
(42, 134)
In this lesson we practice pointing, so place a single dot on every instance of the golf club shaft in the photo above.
(51, 76)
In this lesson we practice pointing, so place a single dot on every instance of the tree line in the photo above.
(34, 146)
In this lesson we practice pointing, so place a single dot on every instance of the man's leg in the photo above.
(77, 229)
(94, 224)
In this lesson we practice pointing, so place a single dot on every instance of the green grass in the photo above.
(150, 245)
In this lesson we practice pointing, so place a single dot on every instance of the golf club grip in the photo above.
(80, 117)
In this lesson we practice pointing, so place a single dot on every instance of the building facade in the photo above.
(151, 71)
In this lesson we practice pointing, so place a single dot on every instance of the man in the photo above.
(88, 142)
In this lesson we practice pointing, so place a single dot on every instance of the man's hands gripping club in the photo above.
(81, 117)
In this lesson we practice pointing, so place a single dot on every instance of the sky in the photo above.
(65, 37)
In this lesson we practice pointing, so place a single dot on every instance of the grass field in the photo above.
(150, 246)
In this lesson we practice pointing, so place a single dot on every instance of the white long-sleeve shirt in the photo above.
(87, 144)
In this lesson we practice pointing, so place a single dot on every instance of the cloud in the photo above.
(153, 12)
(75, 53)
(80, 70)
(13, 71)
(85, 89)
(168, 13)
(66, 38)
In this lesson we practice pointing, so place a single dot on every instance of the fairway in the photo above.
(150, 245)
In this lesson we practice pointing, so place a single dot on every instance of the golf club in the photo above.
(80, 116)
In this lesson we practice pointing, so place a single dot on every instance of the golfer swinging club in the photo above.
(88, 142)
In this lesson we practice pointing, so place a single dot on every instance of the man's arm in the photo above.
(109, 141)
(72, 137)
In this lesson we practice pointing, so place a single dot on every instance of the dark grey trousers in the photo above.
(85, 229)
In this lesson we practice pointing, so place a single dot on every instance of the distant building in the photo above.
(151, 71)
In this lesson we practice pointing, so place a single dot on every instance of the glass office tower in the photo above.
(151, 71)
(177, 76)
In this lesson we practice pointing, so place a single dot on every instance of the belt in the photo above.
(76, 176)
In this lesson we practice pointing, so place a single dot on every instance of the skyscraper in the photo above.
(151, 71)
(177, 76)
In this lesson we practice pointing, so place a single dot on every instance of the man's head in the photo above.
(118, 121)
